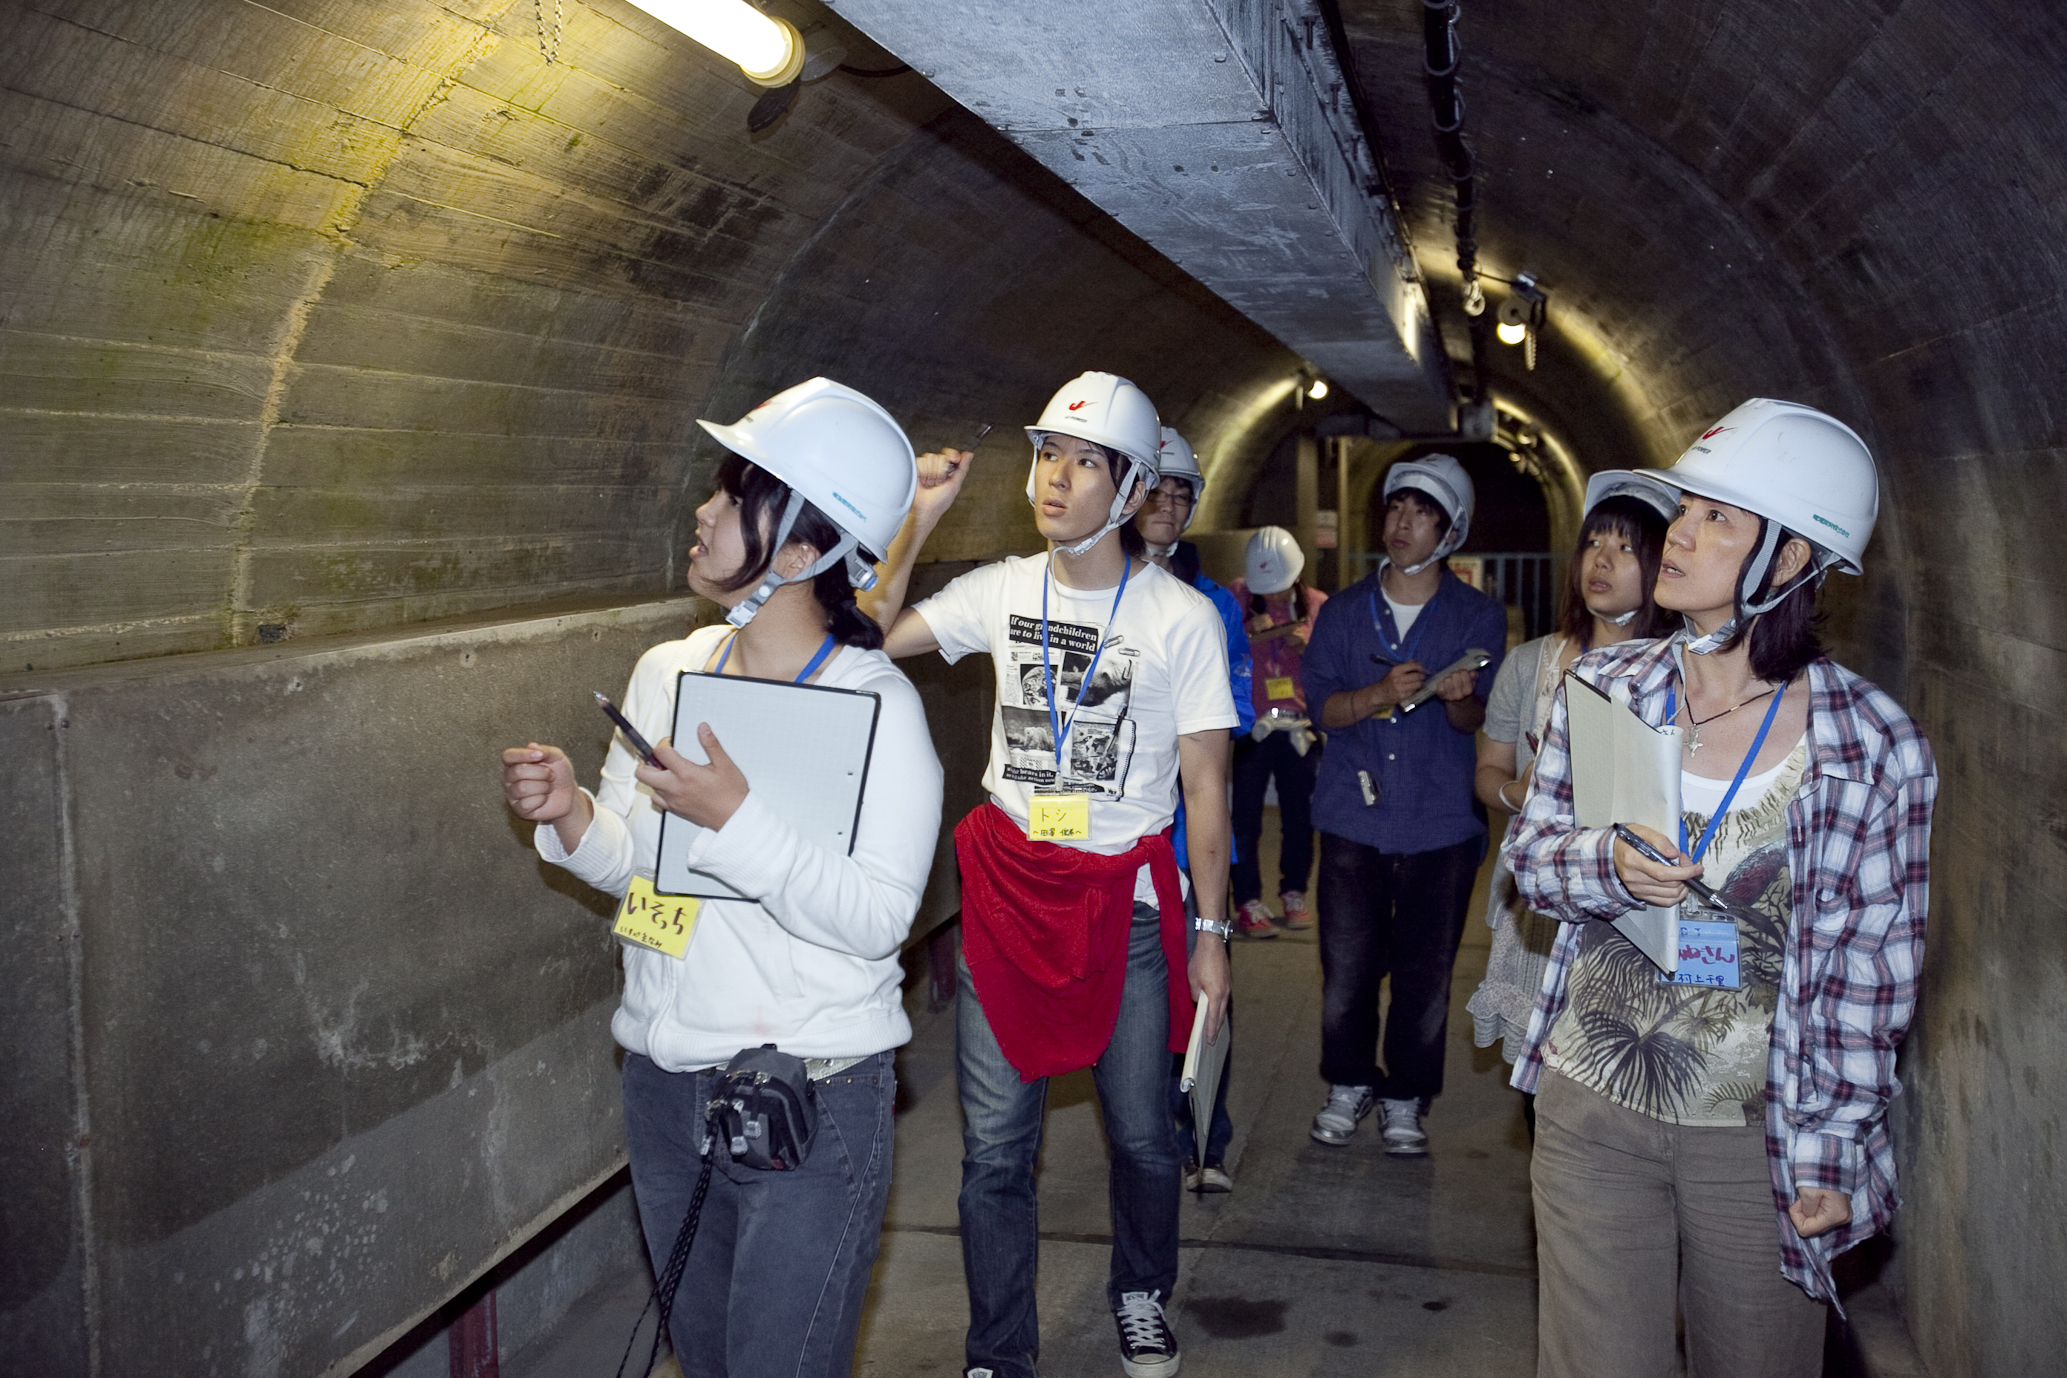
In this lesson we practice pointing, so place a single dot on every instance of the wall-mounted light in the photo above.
(1317, 389)
(1521, 316)
(770, 51)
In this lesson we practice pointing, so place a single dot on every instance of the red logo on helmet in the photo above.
(1075, 405)
(1710, 435)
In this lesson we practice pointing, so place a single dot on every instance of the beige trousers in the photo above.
(1637, 1220)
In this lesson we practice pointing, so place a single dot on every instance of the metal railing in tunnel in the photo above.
(1527, 580)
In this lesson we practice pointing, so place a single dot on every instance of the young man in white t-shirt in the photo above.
(1112, 679)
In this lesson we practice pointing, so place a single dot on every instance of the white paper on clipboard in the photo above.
(1625, 771)
(804, 748)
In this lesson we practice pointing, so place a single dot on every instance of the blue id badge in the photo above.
(1707, 954)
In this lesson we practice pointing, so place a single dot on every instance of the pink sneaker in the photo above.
(1254, 920)
(1297, 915)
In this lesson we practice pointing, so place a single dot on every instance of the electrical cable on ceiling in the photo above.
(549, 39)
(1439, 59)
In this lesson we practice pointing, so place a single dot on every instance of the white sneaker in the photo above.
(1403, 1135)
(1337, 1120)
(1147, 1348)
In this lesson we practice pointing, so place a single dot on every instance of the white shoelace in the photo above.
(1141, 1320)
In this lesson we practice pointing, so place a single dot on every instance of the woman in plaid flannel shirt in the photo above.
(1649, 1198)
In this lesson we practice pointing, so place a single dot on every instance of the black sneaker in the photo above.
(1147, 1348)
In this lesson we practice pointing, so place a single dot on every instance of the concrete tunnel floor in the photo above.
(1322, 1261)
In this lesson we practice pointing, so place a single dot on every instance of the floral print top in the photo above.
(1690, 1055)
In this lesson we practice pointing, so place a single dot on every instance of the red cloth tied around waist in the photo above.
(1044, 931)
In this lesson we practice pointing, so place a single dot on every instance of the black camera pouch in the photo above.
(765, 1109)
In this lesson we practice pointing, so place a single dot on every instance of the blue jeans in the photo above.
(1001, 1136)
(776, 1276)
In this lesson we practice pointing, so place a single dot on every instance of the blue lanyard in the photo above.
(1398, 652)
(1058, 727)
(1708, 833)
(825, 649)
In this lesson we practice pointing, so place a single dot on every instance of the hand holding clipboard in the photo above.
(1473, 659)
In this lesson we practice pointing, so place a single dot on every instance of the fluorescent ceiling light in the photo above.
(768, 50)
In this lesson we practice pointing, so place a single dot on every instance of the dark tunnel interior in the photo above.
(350, 358)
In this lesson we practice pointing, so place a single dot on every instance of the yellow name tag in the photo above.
(1059, 818)
(661, 922)
(1279, 687)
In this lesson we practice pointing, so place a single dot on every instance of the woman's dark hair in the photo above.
(762, 497)
(1297, 593)
(1638, 523)
(1786, 638)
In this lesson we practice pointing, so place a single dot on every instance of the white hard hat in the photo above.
(1443, 479)
(1107, 410)
(1176, 460)
(1646, 487)
(842, 453)
(1273, 560)
(1794, 466)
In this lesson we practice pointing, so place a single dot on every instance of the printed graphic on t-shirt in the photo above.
(1100, 734)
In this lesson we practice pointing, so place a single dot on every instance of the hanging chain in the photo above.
(549, 39)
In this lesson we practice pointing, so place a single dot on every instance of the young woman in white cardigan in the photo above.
(818, 480)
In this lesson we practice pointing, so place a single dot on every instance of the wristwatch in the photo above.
(1220, 926)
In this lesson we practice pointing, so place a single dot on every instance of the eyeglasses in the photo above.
(1180, 498)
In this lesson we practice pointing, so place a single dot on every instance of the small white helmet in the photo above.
(1804, 471)
(1646, 487)
(1443, 479)
(1273, 560)
(1107, 410)
(1176, 460)
(842, 453)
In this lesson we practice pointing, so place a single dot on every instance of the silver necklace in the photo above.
(1696, 724)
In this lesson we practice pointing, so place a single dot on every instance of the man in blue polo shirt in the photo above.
(1400, 842)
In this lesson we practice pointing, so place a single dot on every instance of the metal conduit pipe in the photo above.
(1440, 60)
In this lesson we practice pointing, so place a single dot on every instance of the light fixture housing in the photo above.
(1511, 332)
(769, 50)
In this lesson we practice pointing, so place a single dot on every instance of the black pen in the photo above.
(631, 734)
(1706, 895)
(974, 441)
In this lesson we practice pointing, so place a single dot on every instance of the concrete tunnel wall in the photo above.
(338, 317)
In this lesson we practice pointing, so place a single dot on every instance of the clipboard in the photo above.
(1473, 659)
(804, 748)
(1202, 1063)
(1625, 771)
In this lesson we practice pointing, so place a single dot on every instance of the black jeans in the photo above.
(1384, 914)
(1254, 764)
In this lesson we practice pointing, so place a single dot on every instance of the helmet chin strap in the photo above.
(1624, 620)
(1114, 519)
(1440, 551)
(1747, 607)
(1163, 552)
(848, 549)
